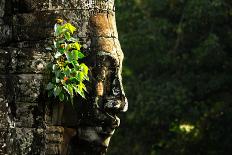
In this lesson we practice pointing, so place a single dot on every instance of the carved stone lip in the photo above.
(107, 133)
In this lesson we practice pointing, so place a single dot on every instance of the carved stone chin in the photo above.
(31, 123)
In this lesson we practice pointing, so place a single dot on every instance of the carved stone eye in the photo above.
(100, 88)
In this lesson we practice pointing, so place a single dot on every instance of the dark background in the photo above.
(177, 76)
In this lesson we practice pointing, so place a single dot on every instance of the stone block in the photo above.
(54, 139)
(2, 8)
(3, 116)
(28, 115)
(3, 135)
(39, 26)
(22, 88)
(49, 5)
(25, 141)
(6, 90)
(61, 114)
(5, 60)
(53, 149)
(5, 33)
(31, 60)
(4, 101)
(28, 87)
(24, 60)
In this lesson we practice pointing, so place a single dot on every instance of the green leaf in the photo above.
(57, 55)
(84, 68)
(57, 91)
(61, 50)
(81, 86)
(86, 78)
(67, 71)
(57, 80)
(55, 44)
(61, 96)
(50, 86)
(73, 79)
(69, 56)
(50, 93)
(80, 55)
(69, 89)
(75, 54)
(57, 73)
(58, 30)
(73, 71)
(68, 47)
(79, 91)
(77, 46)
(80, 76)
(75, 63)
(67, 35)
(73, 39)
(54, 67)
(69, 27)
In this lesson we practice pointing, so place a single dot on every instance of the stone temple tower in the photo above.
(30, 122)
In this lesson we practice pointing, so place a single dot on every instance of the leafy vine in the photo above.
(67, 73)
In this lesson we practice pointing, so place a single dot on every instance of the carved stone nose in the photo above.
(124, 107)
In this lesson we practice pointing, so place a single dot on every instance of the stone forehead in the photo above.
(103, 25)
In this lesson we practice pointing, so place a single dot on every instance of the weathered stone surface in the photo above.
(28, 115)
(5, 30)
(26, 141)
(3, 115)
(5, 33)
(39, 25)
(33, 26)
(54, 115)
(22, 88)
(3, 120)
(4, 61)
(54, 134)
(14, 140)
(2, 8)
(54, 140)
(23, 60)
(105, 44)
(27, 87)
(3, 135)
(45, 5)
(6, 90)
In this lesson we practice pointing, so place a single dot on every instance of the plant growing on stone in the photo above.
(67, 73)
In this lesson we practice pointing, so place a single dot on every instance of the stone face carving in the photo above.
(31, 123)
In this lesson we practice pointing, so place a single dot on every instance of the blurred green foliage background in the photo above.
(177, 77)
